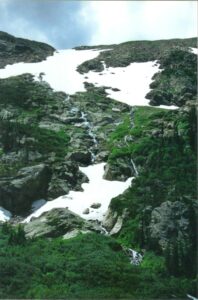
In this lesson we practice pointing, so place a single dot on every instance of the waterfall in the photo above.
(91, 134)
(135, 257)
(104, 231)
(134, 167)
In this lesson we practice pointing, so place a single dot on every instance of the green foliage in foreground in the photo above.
(163, 145)
(88, 266)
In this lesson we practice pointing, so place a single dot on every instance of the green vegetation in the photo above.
(88, 266)
(23, 92)
(162, 144)
(24, 104)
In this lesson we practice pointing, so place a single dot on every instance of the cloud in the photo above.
(54, 22)
(119, 21)
(65, 24)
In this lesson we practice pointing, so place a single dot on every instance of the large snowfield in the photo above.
(60, 72)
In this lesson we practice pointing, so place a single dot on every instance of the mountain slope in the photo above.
(47, 136)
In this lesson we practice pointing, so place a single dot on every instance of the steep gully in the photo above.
(134, 256)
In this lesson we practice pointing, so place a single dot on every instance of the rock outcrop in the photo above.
(30, 184)
(170, 223)
(13, 50)
(59, 222)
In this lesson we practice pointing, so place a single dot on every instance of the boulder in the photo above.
(58, 222)
(95, 205)
(30, 184)
(86, 211)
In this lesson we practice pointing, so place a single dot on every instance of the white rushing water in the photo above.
(98, 190)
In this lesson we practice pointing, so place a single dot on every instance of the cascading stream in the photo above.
(91, 134)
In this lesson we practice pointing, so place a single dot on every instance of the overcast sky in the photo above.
(66, 24)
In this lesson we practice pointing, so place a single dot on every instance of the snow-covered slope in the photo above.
(60, 72)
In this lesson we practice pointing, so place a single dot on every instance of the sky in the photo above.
(66, 24)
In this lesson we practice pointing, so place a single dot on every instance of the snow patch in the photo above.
(98, 190)
(58, 70)
(132, 82)
(5, 215)
(194, 50)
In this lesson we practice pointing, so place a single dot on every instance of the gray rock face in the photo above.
(30, 184)
(169, 222)
(58, 222)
